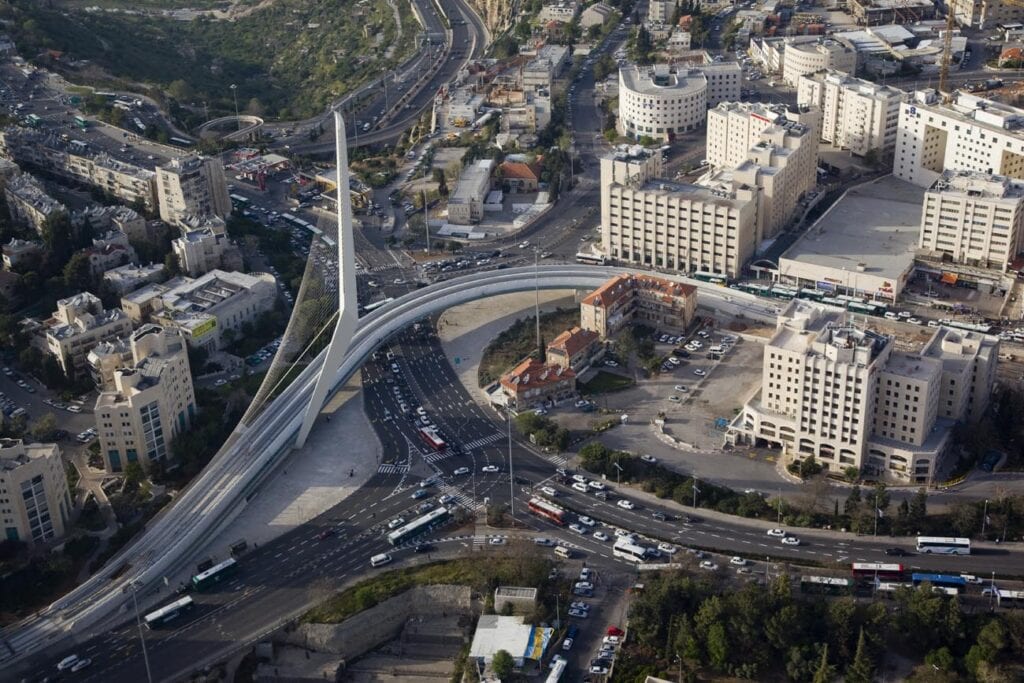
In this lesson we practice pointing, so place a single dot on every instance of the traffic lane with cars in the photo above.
(274, 579)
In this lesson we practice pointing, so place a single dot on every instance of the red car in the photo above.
(325, 534)
(615, 631)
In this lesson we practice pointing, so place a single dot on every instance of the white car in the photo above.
(648, 458)
(579, 486)
(622, 533)
(625, 504)
(681, 387)
(496, 540)
(395, 523)
(699, 372)
(586, 521)
(578, 528)
(596, 485)
(490, 468)
(461, 471)
(738, 561)
(580, 478)
(80, 664)
(584, 586)
(567, 644)
(548, 491)
(600, 536)
(612, 640)
(708, 565)
(668, 548)
(777, 533)
(673, 360)
(791, 540)
(67, 662)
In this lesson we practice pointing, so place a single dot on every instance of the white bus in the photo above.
(1009, 598)
(943, 545)
(558, 664)
(167, 613)
(629, 551)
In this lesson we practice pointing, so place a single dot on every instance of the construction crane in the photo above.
(947, 54)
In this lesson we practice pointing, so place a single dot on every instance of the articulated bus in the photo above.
(430, 437)
(547, 510)
(811, 294)
(783, 292)
(369, 308)
(882, 571)
(418, 526)
(590, 259)
(214, 575)
(940, 580)
(943, 545)
(628, 550)
(181, 142)
(825, 585)
(167, 613)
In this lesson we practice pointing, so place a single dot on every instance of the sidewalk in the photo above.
(311, 481)
(466, 330)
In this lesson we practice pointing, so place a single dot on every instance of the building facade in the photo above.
(985, 15)
(151, 402)
(662, 100)
(533, 382)
(974, 218)
(800, 58)
(211, 310)
(969, 134)
(79, 323)
(735, 127)
(35, 503)
(200, 251)
(857, 115)
(466, 203)
(575, 349)
(192, 186)
(29, 204)
(638, 299)
(671, 225)
(128, 278)
(845, 397)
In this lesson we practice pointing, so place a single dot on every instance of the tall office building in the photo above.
(35, 504)
(844, 396)
(857, 115)
(974, 218)
(192, 187)
(151, 401)
(969, 134)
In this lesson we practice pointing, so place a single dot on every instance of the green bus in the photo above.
(81, 122)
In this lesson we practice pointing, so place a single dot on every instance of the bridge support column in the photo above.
(348, 313)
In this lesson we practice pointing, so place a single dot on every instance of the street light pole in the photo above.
(695, 491)
(142, 637)
(234, 94)
(984, 518)
(536, 294)
(511, 479)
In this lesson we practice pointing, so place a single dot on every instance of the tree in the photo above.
(826, 672)
(852, 505)
(180, 90)
(718, 646)
(862, 669)
(45, 428)
(442, 184)
(171, 265)
(918, 509)
(503, 665)
(78, 272)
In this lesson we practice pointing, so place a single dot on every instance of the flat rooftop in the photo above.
(875, 224)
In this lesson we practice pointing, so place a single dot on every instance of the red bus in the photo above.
(547, 510)
(431, 438)
(881, 570)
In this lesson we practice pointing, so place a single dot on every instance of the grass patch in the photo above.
(520, 341)
(606, 382)
(521, 564)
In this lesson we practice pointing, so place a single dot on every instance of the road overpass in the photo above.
(222, 490)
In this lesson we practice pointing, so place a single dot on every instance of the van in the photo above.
(380, 560)
(563, 552)
(716, 349)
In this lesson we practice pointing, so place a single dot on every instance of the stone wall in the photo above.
(364, 631)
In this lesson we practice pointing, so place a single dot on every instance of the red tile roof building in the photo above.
(575, 349)
(534, 382)
(641, 299)
(518, 176)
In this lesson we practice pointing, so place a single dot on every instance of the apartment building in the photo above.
(110, 250)
(35, 503)
(857, 115)
(974, 218)
(29, 204)
(662, 100)
(18, 252)
(636, 299)
(970, 134)
(986, 15)
(735, 127)
(533, 382)
(844, 396)
(800, 58)
(106, 358)
(660, 11)
(151, 401)
(192, 186)
(200, 251)
(211, 310)
(466, 203)
(679, 226)
(880, 12)
(129, 277)
(79, 323)
(596, 15)
(108, 218)
(77, 162)
(575, 348)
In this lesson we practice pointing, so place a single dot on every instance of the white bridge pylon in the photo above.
(348, 313)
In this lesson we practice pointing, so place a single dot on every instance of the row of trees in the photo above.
(683, 629)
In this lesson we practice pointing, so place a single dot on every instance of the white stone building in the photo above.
(34, 491)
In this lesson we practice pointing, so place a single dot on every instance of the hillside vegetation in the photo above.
(289, 58)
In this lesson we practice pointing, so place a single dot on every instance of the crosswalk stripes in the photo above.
(558, 460)
(391, 468)
(477, 443)
(437, 457)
